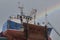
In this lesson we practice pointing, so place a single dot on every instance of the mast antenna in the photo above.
(21, 8)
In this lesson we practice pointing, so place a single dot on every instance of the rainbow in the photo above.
(49, 10)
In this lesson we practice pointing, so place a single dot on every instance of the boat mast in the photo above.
(33, 12)
(35, 15)
(21, 18)
(21, 12)
(46, 22)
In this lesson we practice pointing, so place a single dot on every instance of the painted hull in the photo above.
(34, 33)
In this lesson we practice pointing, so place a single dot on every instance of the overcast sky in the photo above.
(10, 7)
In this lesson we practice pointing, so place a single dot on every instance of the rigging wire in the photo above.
(46, 23)
(54, 29)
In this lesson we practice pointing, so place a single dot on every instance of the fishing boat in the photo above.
(19, 28)
(17, 31)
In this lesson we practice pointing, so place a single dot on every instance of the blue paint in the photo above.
(11, 25)
(49, 30)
